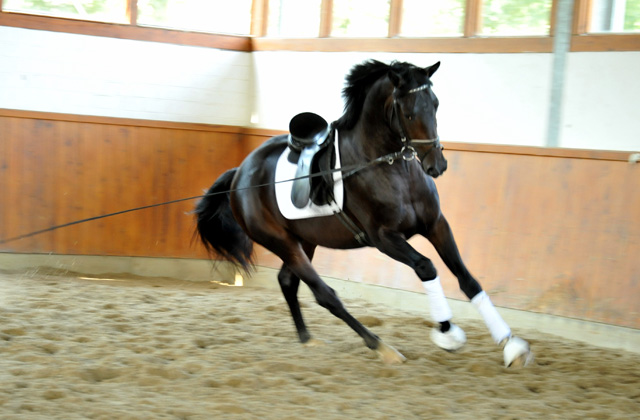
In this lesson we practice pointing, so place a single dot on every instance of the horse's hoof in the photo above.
(313, 342)
(451, 340)
(389, 355)
(517, 353)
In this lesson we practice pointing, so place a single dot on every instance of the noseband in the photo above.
(408, 152)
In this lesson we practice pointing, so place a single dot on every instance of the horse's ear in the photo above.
(432, 69)
(395, 78)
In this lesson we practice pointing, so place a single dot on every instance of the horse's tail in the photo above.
(219, 231)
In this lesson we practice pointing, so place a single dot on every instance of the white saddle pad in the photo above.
(285, 171)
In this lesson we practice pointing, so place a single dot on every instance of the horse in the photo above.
(388, 132)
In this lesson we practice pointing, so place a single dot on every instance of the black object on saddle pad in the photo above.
(309, 138)
(307, 129)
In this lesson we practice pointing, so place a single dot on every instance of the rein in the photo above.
(347, 172)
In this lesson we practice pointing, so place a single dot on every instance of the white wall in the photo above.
(88, 75)
(601, 109)
(485, 98)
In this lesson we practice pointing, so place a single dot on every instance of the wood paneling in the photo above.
(556, 235)
(605, 42)
(479, 45)
(547, 230)
(408, 45)
(54, 171)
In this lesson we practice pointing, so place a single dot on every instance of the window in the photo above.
(294, 18)
(432, 18)
(615, 16)
(360, 18)
(516, 17)
(408, 25)
(100, 10)
(220, 16)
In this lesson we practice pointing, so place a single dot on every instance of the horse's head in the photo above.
(413, 114)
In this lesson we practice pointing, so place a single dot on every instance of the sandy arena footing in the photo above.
(114, 345)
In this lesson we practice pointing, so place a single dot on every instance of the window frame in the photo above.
(470, 42)
(125, 31)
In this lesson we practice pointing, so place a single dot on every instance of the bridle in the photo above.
(408, 152)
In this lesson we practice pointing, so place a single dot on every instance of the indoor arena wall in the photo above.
(547, 230)
(92, 125)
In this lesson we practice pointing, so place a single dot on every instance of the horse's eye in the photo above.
(409, 117)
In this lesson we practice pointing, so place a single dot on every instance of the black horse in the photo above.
(389, 134)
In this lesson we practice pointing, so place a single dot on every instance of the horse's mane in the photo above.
(358, 82)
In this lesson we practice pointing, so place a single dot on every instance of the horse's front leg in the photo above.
(394, 244)
(516, 350)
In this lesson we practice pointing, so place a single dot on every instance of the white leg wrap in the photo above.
(498, 328)
(440, 310)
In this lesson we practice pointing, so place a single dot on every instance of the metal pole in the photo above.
(561, 46)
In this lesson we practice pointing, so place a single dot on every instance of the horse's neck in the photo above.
(373, 133)
(372, 136)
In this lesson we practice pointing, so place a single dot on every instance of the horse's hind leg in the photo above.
(516, 350)
(299, 265)
(289, 283)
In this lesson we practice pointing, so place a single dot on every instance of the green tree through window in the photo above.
(101, 10)
(632, 16)
(516, 17)
(432, 18)
(360, 18)
(220, 16)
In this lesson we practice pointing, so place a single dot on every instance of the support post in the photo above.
(561, 47)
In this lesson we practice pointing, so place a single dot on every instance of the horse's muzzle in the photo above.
(435, 171)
